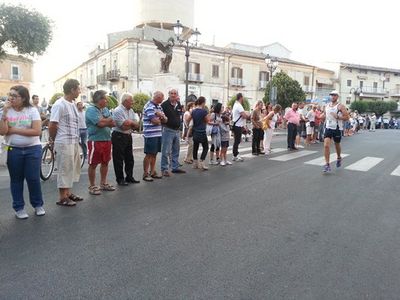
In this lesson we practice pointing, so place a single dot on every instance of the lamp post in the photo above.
(356, 91)
(272, 64)
(187, 44)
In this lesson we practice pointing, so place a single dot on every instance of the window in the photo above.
(104, 69)
(361, 84)
(263, 76)
(115, 62)
(194, 68)
(375, 85)
(307, 80)
(215, 71)
(123, 84)
(237, 73)
(348, 82)
(15, 72)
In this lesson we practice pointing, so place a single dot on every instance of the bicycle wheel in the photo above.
(47, 165)
(81, 155)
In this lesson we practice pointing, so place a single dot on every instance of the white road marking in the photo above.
(396, 172)
(278, 150)
(293, 155)
(320, 161)
(365, 164)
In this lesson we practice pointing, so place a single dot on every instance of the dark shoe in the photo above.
(294, 149)
(261, 152)
(179, 171)
(147, 178)
(132, 180)
(254, 153)
(166, 174)
(122, 183)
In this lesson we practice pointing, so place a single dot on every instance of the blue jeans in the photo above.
(170, 149)
(82, 140)
(24, 163)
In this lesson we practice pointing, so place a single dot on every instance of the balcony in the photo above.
(237, 82)
(308, 89)
(101, 79)
(395, 92)
(113, 75)
(195, 77)
(15, 77)
(262, 85)
(373, 91)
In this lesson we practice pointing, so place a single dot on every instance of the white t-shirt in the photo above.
(22, 119)
(65, 113)
(236, 110)
(311, 116)
(82, 120)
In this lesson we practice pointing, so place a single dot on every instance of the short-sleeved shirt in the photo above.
(198, 115)
(93, 117)
(236, 110)
(225, 132)
(82, 119)
(22, 119)
(149, 112)
(65, 113)
(120, 115)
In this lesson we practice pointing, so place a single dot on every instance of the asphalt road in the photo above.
(260, 229)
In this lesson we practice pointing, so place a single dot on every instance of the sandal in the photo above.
(66, 202)
(147, 178)
(94, 190)
(189, 162)
(107, 187)
(156, 176)
(74, 197)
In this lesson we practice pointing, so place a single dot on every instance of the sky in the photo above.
(360, 32)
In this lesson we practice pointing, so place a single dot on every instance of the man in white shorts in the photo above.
(64, 132)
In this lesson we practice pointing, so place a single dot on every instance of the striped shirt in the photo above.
(120, 115)
(149, 113)
(65, 114)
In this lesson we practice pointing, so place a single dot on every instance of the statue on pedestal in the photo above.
(167, 50)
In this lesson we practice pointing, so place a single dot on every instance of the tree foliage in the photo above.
(139, 100)
(288, 90)
(246, 103)
(28, 31)
(378, 107)
(55, 97)
(112, 102)
(360, 106)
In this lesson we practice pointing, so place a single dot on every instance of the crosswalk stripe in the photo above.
(320, 161)
(396, 172)
(278, 150)
(365, 164)
(293, 155)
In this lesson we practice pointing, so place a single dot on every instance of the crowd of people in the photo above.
(109, 136)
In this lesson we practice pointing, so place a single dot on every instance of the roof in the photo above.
(370, 68)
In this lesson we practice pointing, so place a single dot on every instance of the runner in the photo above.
(335, 114)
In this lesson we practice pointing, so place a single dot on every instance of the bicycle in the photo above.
(48, 160)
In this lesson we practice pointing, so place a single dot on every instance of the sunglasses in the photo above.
(10, 95)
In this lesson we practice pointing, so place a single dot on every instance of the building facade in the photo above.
(132, 63)
(15, 70)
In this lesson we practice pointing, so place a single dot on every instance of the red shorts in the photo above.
(99, 152)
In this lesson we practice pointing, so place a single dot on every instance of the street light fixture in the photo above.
(272, 64)
(356, 91)
(187, 44)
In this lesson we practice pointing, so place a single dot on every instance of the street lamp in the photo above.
(272, 64)
(356, 91)
(184, 42)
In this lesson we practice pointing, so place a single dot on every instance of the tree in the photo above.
(246, 103)
(112, 102)
(28, 31)
(381, 107)
(139, 100)
(55, 97)
(288, 90)
(360, 106)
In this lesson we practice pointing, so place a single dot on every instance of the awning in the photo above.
(324, 81)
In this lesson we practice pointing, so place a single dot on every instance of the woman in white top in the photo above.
(269, 122)
(21, 125)
(187, 135)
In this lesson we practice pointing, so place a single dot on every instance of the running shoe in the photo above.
(339, 162)
(327, 168)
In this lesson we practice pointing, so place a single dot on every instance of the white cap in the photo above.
(334, 92)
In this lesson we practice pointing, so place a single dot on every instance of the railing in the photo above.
(373, 90)
(15, 77)
(113, 75)
(237, 82)
(308, 89)
(101, 78)
(262, 85)
(196, 77)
